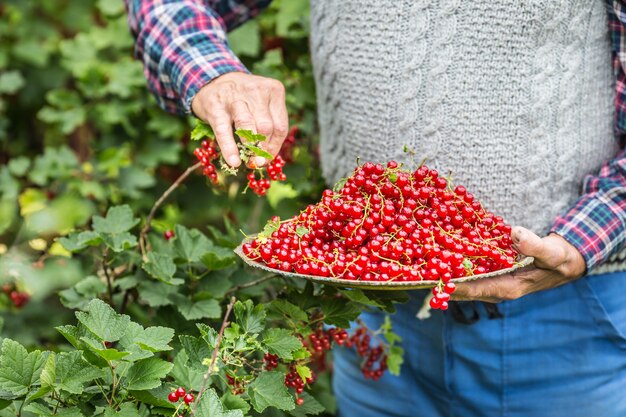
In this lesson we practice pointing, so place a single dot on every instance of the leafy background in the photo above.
(80, 132)
(85, 153)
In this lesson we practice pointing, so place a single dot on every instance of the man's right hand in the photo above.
(247, 102)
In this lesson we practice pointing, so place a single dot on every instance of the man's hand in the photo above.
(556, 263)
(247, 102)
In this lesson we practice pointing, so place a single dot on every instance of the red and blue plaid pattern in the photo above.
(183, 46)
(596, 225)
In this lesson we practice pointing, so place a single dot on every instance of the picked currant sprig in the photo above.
(249, 150)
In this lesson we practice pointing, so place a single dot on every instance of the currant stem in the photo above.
(209, 372)
(158, 203)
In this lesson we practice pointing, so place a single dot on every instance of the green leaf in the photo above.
(395, 359)
(288, 310)
(250, 136)
(304, 372)
(218, 258)
(121, 242)
(184, 375)
(156, 339)
(190, 245)
(118, 219)
(211, 406)
(79, 296)
(72, 372)
(270, 227)
(54, 163)
(251, 318)
(19, 166)
(201, 131)
(101, 320)
(128, 343)
(209, 309)
(42, 410)
(197, 351)
(246, 39)
(161, 266)
(281, 342)
(48, 375)
(127, 409)
(11, 82)
(156, 397)
(258, 151)
(269, 390)
(289, 15)
(310, 406)
(75, 242)
(111, 8)
(301, 231)
(108, 354)
(157, 294)
(235, 402)
(280, 191)
(19, 369)
(147, 373)
(358, 296)
(70, 333)
(339, 313)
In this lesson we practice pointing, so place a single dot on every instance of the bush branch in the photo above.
(158, 203)
(216, 349)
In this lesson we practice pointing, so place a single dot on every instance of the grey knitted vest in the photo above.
(515, 98)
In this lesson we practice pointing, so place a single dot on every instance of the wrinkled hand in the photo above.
(556, 263)
(248, 102)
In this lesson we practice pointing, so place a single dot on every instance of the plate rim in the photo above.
(524, 262)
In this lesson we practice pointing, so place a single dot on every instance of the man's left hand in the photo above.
(556, 263)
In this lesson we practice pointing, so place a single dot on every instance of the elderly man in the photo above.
(517, 98)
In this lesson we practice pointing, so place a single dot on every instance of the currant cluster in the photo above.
(271, 361)
(175, 396)
(390, 224)
(375, 363)
(18, 298)
(236, 384)
(295, 381)
(206, 154)
(441, 295)
(275, 173)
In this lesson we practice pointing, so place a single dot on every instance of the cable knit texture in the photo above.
(514, 98)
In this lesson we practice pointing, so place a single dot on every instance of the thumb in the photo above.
(547, 254)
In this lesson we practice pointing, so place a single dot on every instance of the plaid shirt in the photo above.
(183, 46)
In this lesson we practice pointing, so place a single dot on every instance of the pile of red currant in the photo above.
(18, 298)
(181, 393)
(390, 224)
(208, 152)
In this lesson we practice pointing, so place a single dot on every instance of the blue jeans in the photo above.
(556, 353)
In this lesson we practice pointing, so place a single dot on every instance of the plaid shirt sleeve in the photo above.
(596, 225)
(183, 44)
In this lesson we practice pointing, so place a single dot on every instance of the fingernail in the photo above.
(260, 161)
(232, 160)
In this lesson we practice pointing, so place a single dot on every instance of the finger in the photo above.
(222, 125)
(264, 124)
(491, 290)
(241, 115)
(547, 254)
(278, 110)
